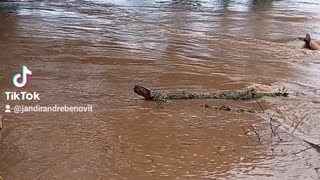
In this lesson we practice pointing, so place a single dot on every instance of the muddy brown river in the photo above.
(93, 52)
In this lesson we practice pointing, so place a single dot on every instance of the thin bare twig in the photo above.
(305, 149)
(271, 126)
(299, 123)
(259, 104)
(246, 133)
(252, 129)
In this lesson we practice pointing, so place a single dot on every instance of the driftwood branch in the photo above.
(232, 95)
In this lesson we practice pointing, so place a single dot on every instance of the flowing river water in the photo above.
(94, 51)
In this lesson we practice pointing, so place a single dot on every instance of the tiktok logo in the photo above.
(21, 80)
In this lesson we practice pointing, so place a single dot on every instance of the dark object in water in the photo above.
(231, 95)
(226, 108)
(1, 125)
(309, 44)
(142, 91)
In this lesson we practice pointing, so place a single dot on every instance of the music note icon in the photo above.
(20, 80)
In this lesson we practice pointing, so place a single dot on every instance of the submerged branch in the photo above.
(226, 108)
(236, 95)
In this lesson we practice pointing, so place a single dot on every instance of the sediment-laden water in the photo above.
(93, 52)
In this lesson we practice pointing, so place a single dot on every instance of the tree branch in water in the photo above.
(231, 95)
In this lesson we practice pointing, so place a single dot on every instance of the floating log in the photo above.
(232, 95)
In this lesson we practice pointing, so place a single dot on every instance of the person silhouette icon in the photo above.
(8, 109)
